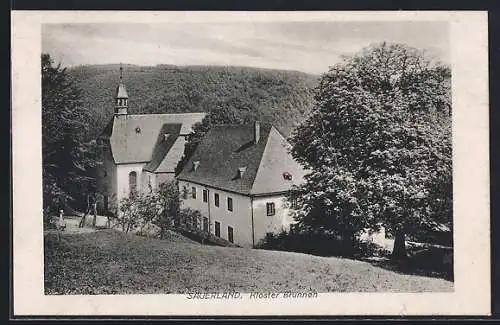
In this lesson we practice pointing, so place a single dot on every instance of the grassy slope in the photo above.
(276, 96)
(109, 262)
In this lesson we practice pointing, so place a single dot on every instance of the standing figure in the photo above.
(60, 224)
(91, 208)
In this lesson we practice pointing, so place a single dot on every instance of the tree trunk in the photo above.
(94, 221)
(82, 221)
(399, 250)
(349, 241)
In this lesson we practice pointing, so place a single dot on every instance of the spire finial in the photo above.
(121, 72)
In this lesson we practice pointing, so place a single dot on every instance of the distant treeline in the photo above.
(276, 96)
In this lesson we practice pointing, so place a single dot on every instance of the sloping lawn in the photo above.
(111, 262)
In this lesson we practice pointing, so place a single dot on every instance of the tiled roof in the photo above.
(167, 136)
(133, 137)
(172, 158)
(226, 148)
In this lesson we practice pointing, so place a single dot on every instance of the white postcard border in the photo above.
(469, 55)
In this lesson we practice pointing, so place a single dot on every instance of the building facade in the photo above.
(139, 151)
(239, 178)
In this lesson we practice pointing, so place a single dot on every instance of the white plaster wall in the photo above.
(155, 179)
(148, 178)
(378, 238)
(164, 177)
(263, 223)
(240, 219)
(122, 172)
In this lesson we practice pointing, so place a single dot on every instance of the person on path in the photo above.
(60, 224)
(91, 209)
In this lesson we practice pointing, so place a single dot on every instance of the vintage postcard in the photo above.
(250, 163)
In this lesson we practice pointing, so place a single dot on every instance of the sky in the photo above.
(305, 46)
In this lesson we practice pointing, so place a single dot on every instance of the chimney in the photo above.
(256, 132)
(241, 171)
(196, 164)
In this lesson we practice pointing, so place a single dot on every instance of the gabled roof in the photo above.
(133, 138)
(224, 149)
(172, 158)
(167, 136)
(275, 161)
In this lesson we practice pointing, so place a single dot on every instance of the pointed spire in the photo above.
(121, 97)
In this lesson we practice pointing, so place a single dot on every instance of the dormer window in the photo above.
(165, 137)
(137, 130)
(287, 176)
(196, 164)
(241, 171)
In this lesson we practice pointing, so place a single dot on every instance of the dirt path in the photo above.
(72, 225)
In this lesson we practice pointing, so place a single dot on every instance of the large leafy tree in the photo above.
(66, 156)
(378, 145)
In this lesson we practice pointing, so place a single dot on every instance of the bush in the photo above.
(444, 238)
(317, 243)
(304, 242)
(190, 220)
(149, 213)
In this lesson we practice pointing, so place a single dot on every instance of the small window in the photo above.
(193, 192)
(205, 196)
(270, 209)
(287, 176)
(132, 183)
(205, 224)
(216, 199)
(105, 173)
(184, 192)
(217, 229)
(230, 234)
(229, 204)
(137, 130)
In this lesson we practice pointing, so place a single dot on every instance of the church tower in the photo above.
(121, 98)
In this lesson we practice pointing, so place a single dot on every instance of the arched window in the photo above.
(132, 183)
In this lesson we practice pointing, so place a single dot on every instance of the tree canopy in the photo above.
(276, 96)
(378, 145)
(66, 158)
(229, 95)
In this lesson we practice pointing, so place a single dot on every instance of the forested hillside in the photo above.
(276, 96)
